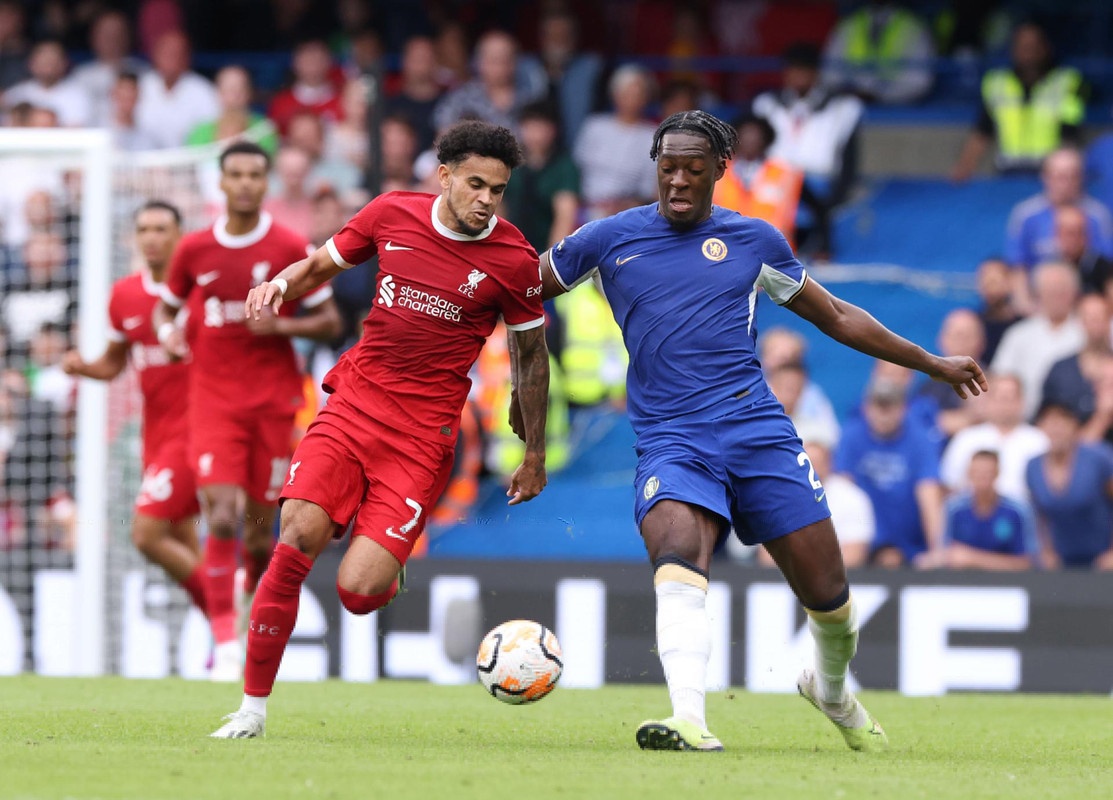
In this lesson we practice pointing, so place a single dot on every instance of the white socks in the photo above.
(256, 705)
(684, 644)
(835, 644)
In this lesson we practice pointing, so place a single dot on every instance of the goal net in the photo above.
(75, 596)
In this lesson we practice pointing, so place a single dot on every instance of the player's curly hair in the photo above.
(476, 138)
(723, 136)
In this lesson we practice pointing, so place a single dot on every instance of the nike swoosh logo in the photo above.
(820, 496)
(618, 262)
(393, 246)
(205, 278)
(390, 531)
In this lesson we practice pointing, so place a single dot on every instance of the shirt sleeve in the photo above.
(355, 242)
(180, 281)
(116, 331)
(575, 257)
(521, 303)
(782, 276)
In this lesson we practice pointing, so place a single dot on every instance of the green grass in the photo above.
(112, 738)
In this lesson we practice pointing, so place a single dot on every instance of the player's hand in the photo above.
(1104, 562)
(528, 480)
(73, 363)
(174, 343)
(962, 373)
(517, 424)
(266, 295)
(265, 324)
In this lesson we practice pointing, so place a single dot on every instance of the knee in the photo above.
(362, 604)
(144, 539)
(222, 519)
(303, 532)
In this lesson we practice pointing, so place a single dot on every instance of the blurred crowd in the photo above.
(348, 97)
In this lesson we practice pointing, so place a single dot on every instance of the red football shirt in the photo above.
(164, 383)
(438, 296)
(235, 370)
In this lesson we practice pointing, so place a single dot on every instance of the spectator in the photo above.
(110, 41)
(1029, 108)
(1030, 347)
(572, 75)
(419, 89)
(997, 311)
(44, 292)
(501, 88)
(349, 139)
(291, 200)
(1072, 381)
(883, 53)
(22, 179)
(126, 133)
(778, 347)
(610, 150)
(591, 355)
(398, 147)
(307, 132)
(48, 86)
(756, 185)
(679, 95)
(453, 55)
(896, 462)
(1073, 244)
(1071, 486)
(1099, 427)
(1030, 237)
(788, 382)
(235, 118)
(543, 200)
(962, 334)
(173, 100)
(13, 45)
(46, 379)
(981, 528)
(1005, 433)
(313, 89)
(816, 133)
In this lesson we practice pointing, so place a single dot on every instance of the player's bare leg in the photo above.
(223, 507)
(306, 531)
(258, 545)
(369, 576)
(172, 546)
(811, 562)
(680, 539)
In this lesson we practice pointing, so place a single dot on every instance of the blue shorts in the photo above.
(744, 463)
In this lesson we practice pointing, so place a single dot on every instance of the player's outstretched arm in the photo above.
(529, 366)
(110, 364)
(550, 286)
(847, 323)
(298, 279)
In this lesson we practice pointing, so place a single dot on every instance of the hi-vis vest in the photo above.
(886, 53)
(594, 358)
(1029, 130)
(773, 195)
(504, 450)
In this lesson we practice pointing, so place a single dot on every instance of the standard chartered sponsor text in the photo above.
(427, 303)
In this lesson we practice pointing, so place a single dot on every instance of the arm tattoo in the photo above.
(529, 366)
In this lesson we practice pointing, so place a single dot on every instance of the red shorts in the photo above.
(363, 472)
(250, 450)
(169, 488)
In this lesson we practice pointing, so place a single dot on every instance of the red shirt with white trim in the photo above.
(438, 296)
(235, 370)
(163, 383)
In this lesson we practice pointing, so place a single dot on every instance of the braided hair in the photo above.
(723, 137)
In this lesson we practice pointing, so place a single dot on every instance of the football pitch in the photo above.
(114, 738)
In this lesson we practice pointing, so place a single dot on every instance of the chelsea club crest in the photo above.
(714, 249)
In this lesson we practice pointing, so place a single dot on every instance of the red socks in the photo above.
(253, 567)
(366, 603)
(219, 573)
(273, 615)
(195, 588)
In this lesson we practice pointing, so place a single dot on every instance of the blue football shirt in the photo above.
(1007, 529)
(684, 299)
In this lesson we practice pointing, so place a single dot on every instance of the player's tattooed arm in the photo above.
(529, 369)
(298, 279)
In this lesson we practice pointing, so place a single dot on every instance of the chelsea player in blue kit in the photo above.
(715, 448)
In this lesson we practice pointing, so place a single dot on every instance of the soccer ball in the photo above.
(519, 662)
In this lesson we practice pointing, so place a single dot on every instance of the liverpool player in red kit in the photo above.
(380, 452)
(164, 526)
(246, 386)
